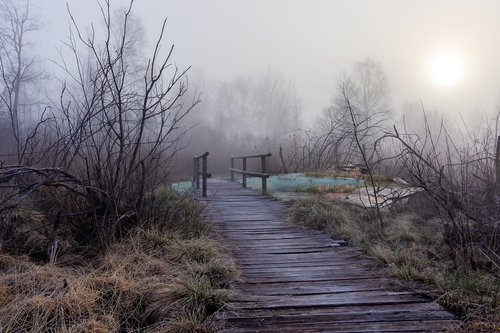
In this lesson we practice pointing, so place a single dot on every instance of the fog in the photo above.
(270, 76)
(313, 43)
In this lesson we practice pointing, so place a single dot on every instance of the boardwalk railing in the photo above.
(204, 174)
(263, 174)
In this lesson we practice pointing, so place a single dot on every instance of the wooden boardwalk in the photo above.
(296, 280)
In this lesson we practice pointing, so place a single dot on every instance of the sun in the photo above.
(446, 68)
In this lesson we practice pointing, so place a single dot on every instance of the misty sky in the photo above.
(313, 42)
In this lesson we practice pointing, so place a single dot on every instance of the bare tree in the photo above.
(333, 141)
(17, 66)
(459, 177)
(116, 124)
(366, 161)
(367, 92)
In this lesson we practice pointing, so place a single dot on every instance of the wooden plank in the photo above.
(292, 288)
(292, 269)
(342, 318)
(285, 256)
(333, 296)
(336, 327)
(275, 264)
(328, 301)
(420, 308)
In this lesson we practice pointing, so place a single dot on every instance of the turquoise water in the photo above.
(182, 187)
(285, 187)
(288, 186)
(294, 182)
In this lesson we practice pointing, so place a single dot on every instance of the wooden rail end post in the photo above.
(197, 174)
(194, 172)
(244, 174)
(263, 170)
(205, 175)
(232, 167)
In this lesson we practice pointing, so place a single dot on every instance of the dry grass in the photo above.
(187, 323)
(196, 294)
(45, 298)
(317, 214)
(356, 173)
(167, 276)
(334, 219)
(328, 189)
(352, 173)
(198, 250)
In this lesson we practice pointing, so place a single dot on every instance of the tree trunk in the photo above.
(497, 167)
(283, 164)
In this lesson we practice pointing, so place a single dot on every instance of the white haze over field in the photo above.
(313, 42)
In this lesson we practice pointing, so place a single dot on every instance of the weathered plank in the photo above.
(298, 280)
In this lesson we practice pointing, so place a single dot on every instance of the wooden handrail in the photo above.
(204, 174)
(243, 171)
(202, 155)
(252, 156)
(250, 173)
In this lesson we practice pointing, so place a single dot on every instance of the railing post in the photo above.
(204, 173)
(195, 160)
(232, 167)
(204, 170)
(263, 170)
(244, 175)
(197, 174)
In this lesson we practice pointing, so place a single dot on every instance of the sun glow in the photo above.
(446, 68)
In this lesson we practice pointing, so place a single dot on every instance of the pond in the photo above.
(287, 186)
(298, 185)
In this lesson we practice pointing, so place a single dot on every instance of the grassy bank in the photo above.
(415, 250)
(166, 275)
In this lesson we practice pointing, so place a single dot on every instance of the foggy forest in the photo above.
(109, 221)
